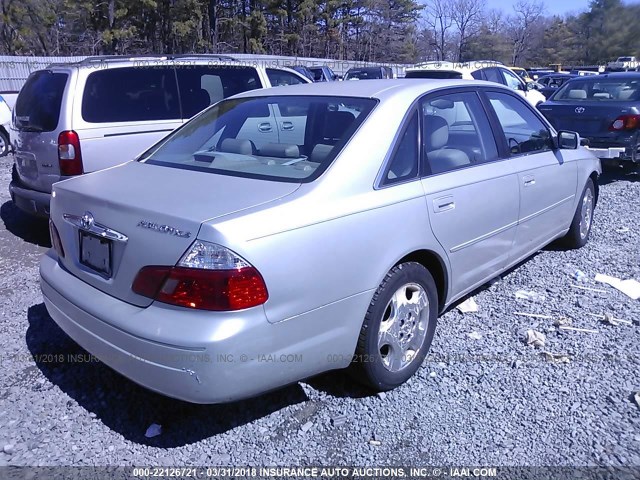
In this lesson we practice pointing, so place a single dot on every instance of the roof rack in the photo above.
(120, 58)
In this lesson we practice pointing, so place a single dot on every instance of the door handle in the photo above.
(287, 125)
(264, 127)
(529, 180)
(443, 204)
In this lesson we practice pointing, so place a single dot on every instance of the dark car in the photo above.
(304, 71)
(368, 73)
(323, 73)
(604, 109)
(550, 83)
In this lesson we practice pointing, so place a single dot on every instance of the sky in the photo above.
(553, 7)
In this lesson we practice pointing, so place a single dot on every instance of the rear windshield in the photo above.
(601, 89)
(441, 74)
(363, 74)
(282, 138)
(38, 106)
(141, 94)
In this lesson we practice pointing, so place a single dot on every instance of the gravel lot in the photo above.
(488, 399)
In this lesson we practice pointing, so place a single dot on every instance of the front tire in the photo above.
(580, 229)
(398, 328)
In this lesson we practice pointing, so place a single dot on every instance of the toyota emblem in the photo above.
(579, 109)
(87, 221)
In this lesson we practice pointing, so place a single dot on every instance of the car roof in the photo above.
(379, 89)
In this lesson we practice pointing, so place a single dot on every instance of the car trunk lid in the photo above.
(157, 210)
(586, 118)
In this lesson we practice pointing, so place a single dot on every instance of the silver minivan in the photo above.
(77, 118)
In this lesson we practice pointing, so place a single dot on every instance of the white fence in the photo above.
(14, 70)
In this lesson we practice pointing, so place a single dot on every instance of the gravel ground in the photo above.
(484, 399)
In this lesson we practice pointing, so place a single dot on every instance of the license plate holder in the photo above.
(96, 253)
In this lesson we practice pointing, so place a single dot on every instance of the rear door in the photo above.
(472, 198)
(547, 181)
(41, 113)
(122, 111)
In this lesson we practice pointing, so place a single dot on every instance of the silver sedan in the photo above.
(285, 232)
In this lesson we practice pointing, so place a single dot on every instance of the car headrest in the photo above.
(320, 152)
(237, 145)
(579, 94)
(602, 95)
(436, 132)
(337, 123)
(280, 150)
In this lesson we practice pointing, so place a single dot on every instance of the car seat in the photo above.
(441, 158)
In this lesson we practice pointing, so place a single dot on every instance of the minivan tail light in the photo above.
(69, 154)
(208, 277)
(625, 122)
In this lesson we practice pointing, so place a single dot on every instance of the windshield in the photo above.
(600, 89)
(282, 138)
(39, 102)
(363, 74)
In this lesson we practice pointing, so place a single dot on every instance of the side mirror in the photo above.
(568, 140)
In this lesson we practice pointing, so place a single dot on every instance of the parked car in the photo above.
(238, 266)
(323, 73)
(5, 122)
(550, 83)
(78, 118)
(604, 109)
(477, 70)
(368, 73)
(623, 64)
(302, 69)
(536, 73)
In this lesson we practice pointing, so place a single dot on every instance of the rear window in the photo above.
(130, 94)
(288, 138)
(440, 74)
(363, 74)
(600, 89)
(38, 106)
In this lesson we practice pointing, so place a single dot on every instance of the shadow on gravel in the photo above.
(611, 175)
(30, 229)
(339, 383)
(129, 409)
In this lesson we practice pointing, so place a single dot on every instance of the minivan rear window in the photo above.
(249, 137)
(38, 106)
(131, 94)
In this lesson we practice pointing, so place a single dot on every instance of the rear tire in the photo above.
(580, 229)
(4, 143)
(398, 328)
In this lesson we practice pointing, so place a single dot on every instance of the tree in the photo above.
(466, 15)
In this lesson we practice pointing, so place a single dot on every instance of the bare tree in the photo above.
(438, 19)
(522, 25)
(466, 15)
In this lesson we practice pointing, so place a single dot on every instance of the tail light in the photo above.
(208, 277)
(625, 122)
(55, 239)
(69, 154)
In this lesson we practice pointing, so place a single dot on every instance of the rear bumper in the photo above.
(30, 201)
(219, 357)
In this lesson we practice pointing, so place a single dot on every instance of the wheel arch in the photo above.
(436, 266)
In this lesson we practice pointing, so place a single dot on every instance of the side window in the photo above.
(493, 75)
(511, 79)
(456, 132)
(478, 75)
(281, 77)
(130, 94)
(404, 162)
(524, 131)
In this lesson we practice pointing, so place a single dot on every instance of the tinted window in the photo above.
(433, 74)
(456, 132)
(131, 94)
(478, 75)
(281, 77)
(404, 162)
(363, 73)
(524, 131)
(317, 74)
(219, 142)
(600, 89)
(38, 105)
(201, 86)
(493, 75)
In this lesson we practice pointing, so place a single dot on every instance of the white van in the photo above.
(71, 119)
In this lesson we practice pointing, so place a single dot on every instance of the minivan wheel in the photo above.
(398, 328)
(4, 143)
(580, 229)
